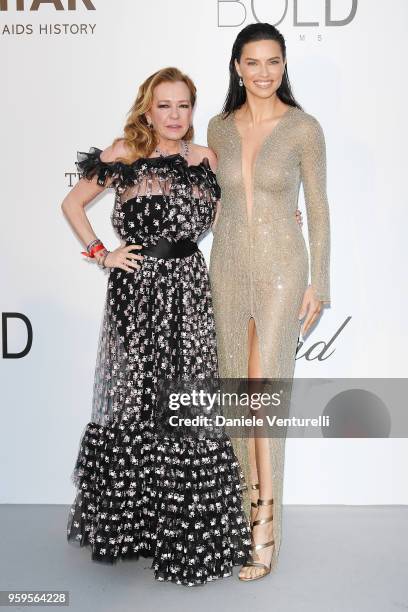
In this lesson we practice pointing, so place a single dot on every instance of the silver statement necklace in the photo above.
(184, 150)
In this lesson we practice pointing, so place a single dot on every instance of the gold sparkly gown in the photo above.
(259, 267)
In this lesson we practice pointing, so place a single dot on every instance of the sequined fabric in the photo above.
(259, 267)
(139, 493)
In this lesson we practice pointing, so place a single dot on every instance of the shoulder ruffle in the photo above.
(90, 164)
(125, 175)
(202, 174)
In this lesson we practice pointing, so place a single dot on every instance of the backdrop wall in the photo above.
(70, 72)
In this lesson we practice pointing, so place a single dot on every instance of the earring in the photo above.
(241, 82)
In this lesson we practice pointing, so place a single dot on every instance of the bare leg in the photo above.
(251, 444)
(254, 477)
(262, 466)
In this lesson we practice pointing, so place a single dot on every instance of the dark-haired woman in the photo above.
(266, 146)
(175, 498)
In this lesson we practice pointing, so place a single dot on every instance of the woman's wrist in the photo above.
(101, 257)
(319, 295)
(96, 250)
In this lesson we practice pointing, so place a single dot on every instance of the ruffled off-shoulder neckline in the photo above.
(160, 160)
(170, 158)
(124, 174)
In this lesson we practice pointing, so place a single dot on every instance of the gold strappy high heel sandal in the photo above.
(254, 487)
(251, 562)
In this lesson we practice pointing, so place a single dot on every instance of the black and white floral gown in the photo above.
(140, 493)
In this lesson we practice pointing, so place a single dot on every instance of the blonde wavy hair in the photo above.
(139, 138)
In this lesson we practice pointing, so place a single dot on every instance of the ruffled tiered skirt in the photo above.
(175, 498)
(177, 501)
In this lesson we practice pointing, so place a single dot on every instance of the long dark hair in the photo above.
(236, 95)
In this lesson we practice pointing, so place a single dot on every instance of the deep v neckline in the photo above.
(269, 135)
(272, 133)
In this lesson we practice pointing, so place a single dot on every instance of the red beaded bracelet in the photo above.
(94, 249)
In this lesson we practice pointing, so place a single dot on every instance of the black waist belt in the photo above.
(164, 249)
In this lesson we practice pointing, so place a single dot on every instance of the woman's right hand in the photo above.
(123, 258)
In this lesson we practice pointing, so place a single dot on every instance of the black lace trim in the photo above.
(90, 164)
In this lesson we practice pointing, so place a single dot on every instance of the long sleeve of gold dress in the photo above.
(259, 266)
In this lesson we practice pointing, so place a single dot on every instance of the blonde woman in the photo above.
(141, 493)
